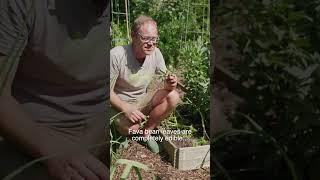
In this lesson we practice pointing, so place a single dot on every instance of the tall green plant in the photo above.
(194, 63)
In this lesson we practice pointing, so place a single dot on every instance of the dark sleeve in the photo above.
(114, 68)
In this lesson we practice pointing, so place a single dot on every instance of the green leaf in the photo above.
(138, 173)
(126, 172)
(133, 163)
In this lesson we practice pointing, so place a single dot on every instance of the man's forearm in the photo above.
(18, 127)
(118, 103)
(115, 99)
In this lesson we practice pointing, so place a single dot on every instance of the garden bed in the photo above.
(183, 157)
(158, 163)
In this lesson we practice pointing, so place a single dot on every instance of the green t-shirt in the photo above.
(131, 77)
(62, 49)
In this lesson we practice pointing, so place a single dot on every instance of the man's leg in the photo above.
(96, 138)
(123, 125)
(163, 102)
(161, 105)
(11, 159)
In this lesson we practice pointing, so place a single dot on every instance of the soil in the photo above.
(161, 168)
(186, 142)
(178, 140)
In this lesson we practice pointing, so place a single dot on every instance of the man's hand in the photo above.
(134, 115)
(171, 82)
(77, 167)
(130, 112)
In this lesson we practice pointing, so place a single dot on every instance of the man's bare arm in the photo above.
(118, 103)
(115, 100)
(17, 126)
(131, 112)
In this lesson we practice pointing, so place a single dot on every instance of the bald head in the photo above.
(140, 21)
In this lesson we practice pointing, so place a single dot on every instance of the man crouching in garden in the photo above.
(132, 68)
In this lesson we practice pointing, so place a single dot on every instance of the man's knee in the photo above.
(123, 128)
(173, 98)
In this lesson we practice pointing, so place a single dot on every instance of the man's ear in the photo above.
(133, 34)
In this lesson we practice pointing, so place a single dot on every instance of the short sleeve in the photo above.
(14, 18)
(161, 65)
(114, 68)
(14, 15)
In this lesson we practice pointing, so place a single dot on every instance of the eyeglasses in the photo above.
(147, 39)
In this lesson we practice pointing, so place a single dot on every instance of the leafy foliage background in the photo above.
(184, 41)
(277, 44)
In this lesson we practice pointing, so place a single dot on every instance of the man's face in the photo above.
(145, 39)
